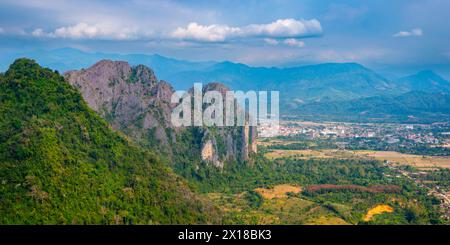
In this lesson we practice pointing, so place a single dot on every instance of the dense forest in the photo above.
(62, 164)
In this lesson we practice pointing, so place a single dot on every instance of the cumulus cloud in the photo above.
(211, 33)
(294, 43)
(38, 33)
(86, 31)
(193, 32)
(271, 41)
(417, 32)
(288, 41)
(283, 28)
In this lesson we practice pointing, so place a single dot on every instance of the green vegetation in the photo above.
(411, 107)
(233, 190)
(238, 177)
(60, 163)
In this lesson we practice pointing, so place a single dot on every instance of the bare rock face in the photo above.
(115, 89)
(232, 142)
(209, 153)
(131, 99)
(135, 102)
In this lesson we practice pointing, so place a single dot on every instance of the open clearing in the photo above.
(307, 154)
(327, 220)
(421, 162)
(418, 161)
(280, 210)
(278, 191)
(379, 209)
(371, 189)
(274, 142)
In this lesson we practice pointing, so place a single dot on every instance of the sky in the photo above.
(393, 36)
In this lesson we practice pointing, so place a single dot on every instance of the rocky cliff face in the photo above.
(236, 142)
(136, 103)
(130, 98)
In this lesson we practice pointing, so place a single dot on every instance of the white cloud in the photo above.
(294, 43)
(417, 32)
(289, 42)
(283, 28)
(38, 33)
(194, 32)
(2, 31)
(271, 41)
(211, 33)
(85, 31)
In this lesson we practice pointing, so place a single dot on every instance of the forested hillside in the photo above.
(60, 163)
(412, 107)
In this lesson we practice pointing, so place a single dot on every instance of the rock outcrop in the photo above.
(133, 101)
(237, 142)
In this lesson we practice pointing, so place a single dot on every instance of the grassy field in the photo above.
(327, 220)
(307, 154)
(418, 161)
(326, 204)
(379, 209)
(274, 142)
(278, 191)
(275, 208)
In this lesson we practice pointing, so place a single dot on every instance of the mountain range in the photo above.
(302, 88)
(66, 59)
(411, 107)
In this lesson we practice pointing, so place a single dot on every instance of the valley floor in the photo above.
(287, 203)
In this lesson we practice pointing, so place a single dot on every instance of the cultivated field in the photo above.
(307, 154)
(371, 189)
(277, 208)
(421, 162)
(274, 142)
(278, 191)
(418, 161)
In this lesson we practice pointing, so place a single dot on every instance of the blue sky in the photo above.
(398, 36)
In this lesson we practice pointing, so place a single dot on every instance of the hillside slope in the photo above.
(412, 107)
(426, 81)
(60, 163)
